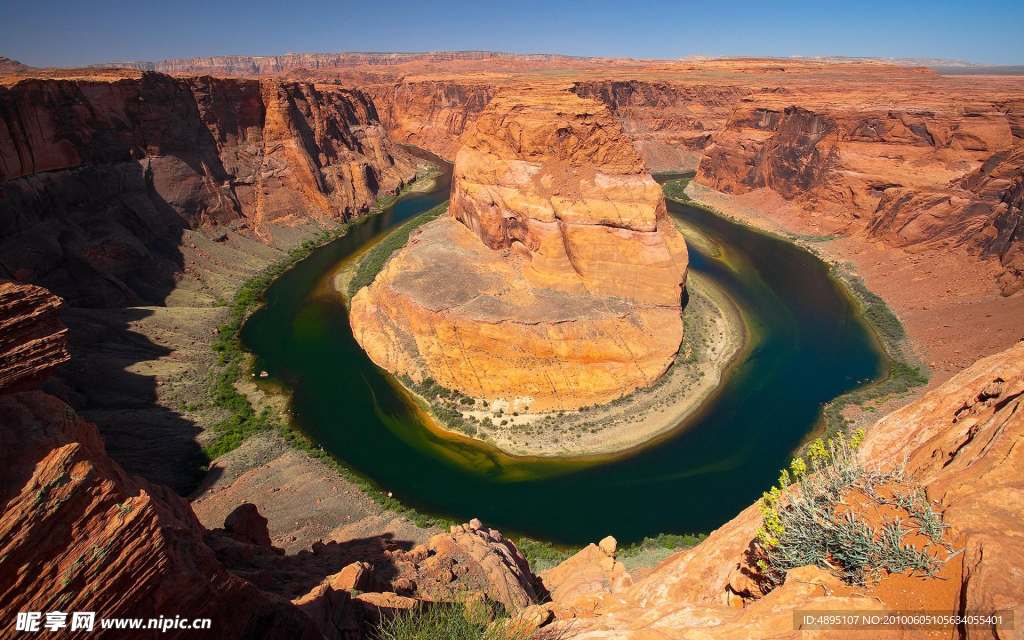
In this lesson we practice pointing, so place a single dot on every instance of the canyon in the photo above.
(958, 441)
(556, 280)
(146, 200)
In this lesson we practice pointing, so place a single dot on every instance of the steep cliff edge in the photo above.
(431, 113)
(118, 169)
(77, 533)
(960, 442)
(146, 201)
(33, 342)
(935, 175)
(554, 283)
(671, 124)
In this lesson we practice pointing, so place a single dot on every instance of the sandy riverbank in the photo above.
(715, 333)
(946, 298)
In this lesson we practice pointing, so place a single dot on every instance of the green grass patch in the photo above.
(903, 376)
(676, 190)
(544, 555)
(662, 541)
(375, 259)
(242, 419)
(449, 621)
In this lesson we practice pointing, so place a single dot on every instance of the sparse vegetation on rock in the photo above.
(811, 518)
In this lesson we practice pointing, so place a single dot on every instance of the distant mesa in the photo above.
(12, 66)
(556, 280)
(270, 65)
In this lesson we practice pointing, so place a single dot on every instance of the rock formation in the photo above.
(918, 179)
(77, 533)
(117, 169)
(431, 113)
(671, 124)
(554, 283)
(269, 65)
(848, 143)
(33, 341)
(960, 441)
(145, 201)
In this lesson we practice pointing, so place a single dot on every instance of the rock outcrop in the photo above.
(919, 178)
(33, 341)
(554, 283)
(981, 212)
(117, 169)
(670, 124)
(145, 201)
(77, 533)
(960, 442)
(866, 147)
(431, 113)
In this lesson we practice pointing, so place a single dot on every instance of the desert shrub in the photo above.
(443, 621)
(669, 541)
(543, 555)
(676, 189)
(455, 621)
(803, 522)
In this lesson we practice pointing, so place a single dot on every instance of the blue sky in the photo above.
(72, 32)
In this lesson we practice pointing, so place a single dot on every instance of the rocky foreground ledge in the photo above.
(77, 533)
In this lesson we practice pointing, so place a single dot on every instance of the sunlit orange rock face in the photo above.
(556, 279)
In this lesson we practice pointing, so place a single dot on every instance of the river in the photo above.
(809, 344)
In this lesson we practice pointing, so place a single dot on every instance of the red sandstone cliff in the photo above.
(269, 65)
(431, 113)
(916, 177)
(116, 169)
(33, 341)
(670, 124)
(78, 533)
(875, 148)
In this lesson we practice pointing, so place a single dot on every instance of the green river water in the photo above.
(809, 344)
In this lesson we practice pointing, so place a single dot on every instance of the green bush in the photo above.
(447, 621)
(662, 541)
(375, 259)
(242, 420)
(676, 189)
(805, 524)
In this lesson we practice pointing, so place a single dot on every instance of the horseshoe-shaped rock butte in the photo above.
(554, 282)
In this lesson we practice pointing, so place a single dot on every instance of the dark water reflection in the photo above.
(809, 345)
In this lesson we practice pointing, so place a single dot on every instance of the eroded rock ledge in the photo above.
(556, 280)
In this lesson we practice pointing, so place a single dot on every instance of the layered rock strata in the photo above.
(146, 201)
(33, 342)
(938, 176)
(556, 280)
(78, 533)
(117, 169)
